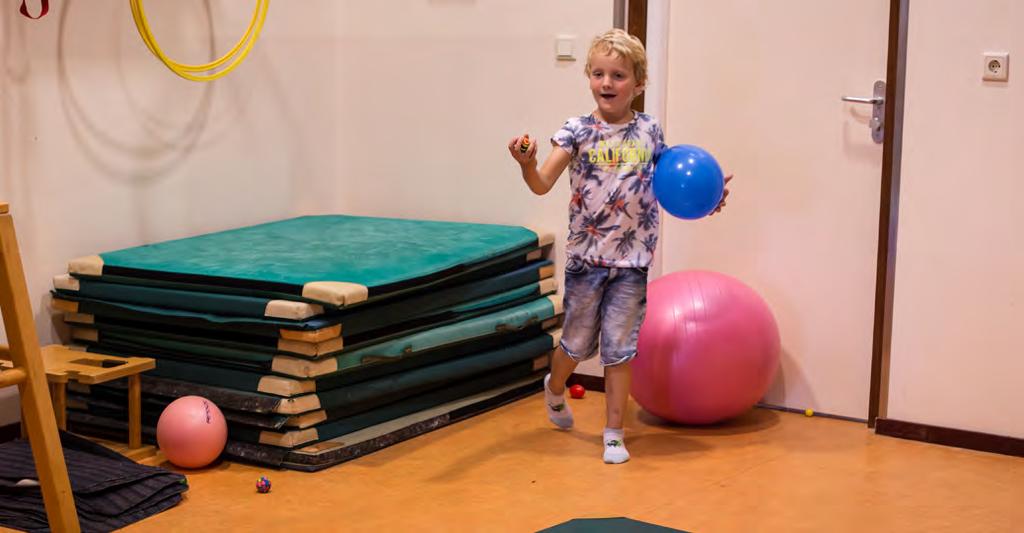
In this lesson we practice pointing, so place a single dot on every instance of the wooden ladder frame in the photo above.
(29, 374)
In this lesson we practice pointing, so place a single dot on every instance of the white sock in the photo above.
(558, 411)
(615, 446)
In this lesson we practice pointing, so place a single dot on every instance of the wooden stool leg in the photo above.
(134, 411)
(59, 397)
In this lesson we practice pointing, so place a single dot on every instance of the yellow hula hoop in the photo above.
(244, 44)
(139, 13)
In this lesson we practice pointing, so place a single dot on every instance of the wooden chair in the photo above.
(29, 375)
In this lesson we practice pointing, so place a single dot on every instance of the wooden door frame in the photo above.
(888, 213)
(636, 24)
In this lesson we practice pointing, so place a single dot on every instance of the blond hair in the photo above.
(624, 45)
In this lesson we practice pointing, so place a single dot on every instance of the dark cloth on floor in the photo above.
(110, 490)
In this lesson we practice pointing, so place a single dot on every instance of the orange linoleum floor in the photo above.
(509, 470)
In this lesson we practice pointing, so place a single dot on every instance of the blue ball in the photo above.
(688, 182)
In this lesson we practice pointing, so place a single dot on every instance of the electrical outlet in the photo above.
(997, 66)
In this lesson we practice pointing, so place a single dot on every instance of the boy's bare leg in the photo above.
(554, 389)
(616, 390)
(562, 366)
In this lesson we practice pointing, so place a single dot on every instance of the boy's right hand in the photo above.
(522, 158)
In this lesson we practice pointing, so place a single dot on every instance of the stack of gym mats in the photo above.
(321, 338)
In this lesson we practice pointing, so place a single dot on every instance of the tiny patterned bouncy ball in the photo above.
(263, 485)
(525, 144)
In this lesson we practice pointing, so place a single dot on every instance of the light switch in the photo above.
(564, 45)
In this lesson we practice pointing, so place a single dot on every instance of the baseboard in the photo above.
(593, 383)
(959, 438)
(10, 432)
(814, 413)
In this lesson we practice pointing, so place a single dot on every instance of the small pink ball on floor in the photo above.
(191, 432)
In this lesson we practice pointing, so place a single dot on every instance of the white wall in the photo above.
(374, 108)
(957, 344)
(459, 80)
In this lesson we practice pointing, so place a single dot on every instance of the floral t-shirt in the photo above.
(613, 214)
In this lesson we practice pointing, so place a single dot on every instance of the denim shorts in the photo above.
(603, 302)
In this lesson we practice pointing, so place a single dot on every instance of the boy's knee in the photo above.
(613, 360)
(578, 355)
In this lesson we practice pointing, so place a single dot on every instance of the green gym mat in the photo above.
(608, 525)
(234, 307)
(334, 260)
(340, 423)
(399, 353)
(350, 322)
(305, 395)
(374, 436)
(92, 329)
(238, 400)
(111, 402)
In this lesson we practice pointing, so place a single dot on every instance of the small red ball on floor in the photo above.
(577, 391)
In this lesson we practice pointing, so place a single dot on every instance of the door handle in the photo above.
(877, 101)
(862, 100)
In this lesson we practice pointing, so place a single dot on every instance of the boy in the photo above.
(613, 227)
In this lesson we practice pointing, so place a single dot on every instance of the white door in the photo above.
(758, 83)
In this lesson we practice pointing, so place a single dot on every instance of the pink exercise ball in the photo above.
(191, 432)
(708, 348)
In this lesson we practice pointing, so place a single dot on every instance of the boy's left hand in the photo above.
(724, 195)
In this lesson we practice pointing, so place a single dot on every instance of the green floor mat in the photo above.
(97, 329)
(346, 447)
(362, 319)
(309, 394)
(351, 362)
(335, 260)
(238, 400)
(335, 424)
(608, 525)
(233, 307)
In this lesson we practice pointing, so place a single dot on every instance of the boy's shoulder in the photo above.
(645, 118)
(580, 120)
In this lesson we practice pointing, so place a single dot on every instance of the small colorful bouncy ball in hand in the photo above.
(525, 144)
(577, 391)
(263, 485)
